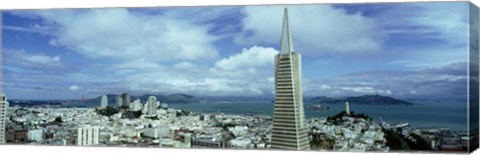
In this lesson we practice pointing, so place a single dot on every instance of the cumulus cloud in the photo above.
(248, 72)
(316, 29)
(168, 52)
(122, 34)
(253, 57)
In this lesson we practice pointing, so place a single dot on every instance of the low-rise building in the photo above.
(88, 136)
(240, 143)
(35, 135)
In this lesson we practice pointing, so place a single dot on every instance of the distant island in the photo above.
(364, 99)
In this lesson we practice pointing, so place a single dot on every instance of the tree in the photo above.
(58, 119)
(318, 143)
(421, 143)
(395, 141)
(109, 111)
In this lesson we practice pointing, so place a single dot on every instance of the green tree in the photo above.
(108, 111)
(395, 141)
(58, 119)
(421, 143)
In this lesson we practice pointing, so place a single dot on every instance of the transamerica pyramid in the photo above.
(289, 129)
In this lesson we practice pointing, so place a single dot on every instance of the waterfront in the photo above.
(421, 115)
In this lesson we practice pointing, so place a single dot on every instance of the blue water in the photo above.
(451, 115)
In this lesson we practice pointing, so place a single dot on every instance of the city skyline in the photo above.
(63, 54)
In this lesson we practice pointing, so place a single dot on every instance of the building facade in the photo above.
(126, 99)
(88, 136)
(104, 102)
(136, 105)
(35, 135)
(152, 105)
(118, 101)
(3, 117)
(289, 130)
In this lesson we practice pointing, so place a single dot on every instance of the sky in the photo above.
(404, 50)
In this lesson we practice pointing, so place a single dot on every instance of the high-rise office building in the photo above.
(289, 130)
(3, 117)
(118, 101)
(136, 105)
(126, 99)
(152, 105)
(88, 136)
(104, 102)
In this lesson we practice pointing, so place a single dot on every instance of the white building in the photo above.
(104, 102)
(118, 101)
(157, 132)
(126, 99)
(3, 117)
(152, 105)
(188, 139)
(35, 135)
(289, 129)
(239, 131)
(240, 143)
(136, 105)
(164, 105)
(88, 136)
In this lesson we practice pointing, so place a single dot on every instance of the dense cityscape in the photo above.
(150, 123)
(161, 126)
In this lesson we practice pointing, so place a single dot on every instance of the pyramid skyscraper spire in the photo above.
(289, 130)
(287, 45)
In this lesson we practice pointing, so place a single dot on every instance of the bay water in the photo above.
(450, 115)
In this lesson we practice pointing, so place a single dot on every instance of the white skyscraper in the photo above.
(126, 99)
(118, 101)
(87, 136)
(152, 105)
(104, 102)
(3, 117)
(289, 130)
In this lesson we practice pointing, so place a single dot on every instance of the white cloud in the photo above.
(316, 29)
(431, 58)
(324, 86)
(74, 87)
(43, 30)
(248, 73)
(31, 58)
(253, 57)
(42, 59)
(137, 65)
(122, 34)
(446, 21)
(360, 89)
(443, 81)
(185, 65)
(388, 92)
